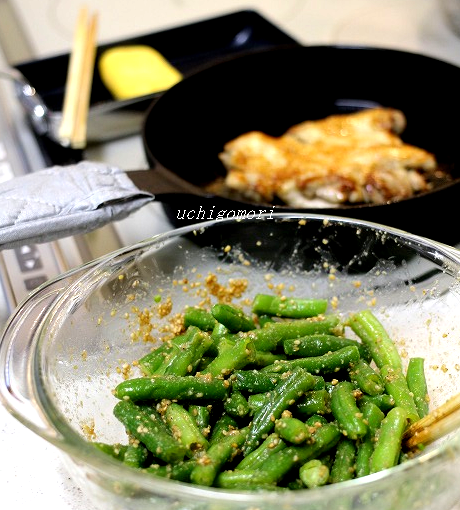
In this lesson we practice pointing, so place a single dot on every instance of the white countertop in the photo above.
(31, 472)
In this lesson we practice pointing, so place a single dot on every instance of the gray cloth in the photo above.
(65, 200)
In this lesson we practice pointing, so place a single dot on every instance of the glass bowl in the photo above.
(70, 342)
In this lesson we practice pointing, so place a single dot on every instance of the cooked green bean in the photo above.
(200, 318)
(238, 357)
(172, 387)
(178, 471)
(371, 331)
(314, 402)
(210, 463)
(284, 395)
(257, 457)
(384, 402)
(388, 444)
(152, 361)
(135, 456)
(346, 412)
(236, 405)
(294, 308)
(373, 416)
(314, 473)
(343, 467)
(233, 318)
(327, 324)
(280, 463)
(396, 386)
(222, 427)
(366, 378)
(416, 381)
(316, 345)
(185, 357)
(264, 358)
(149, 429)
(292, 430)
(327, 363)
(117, 451)
(264, 319)
(201, 415)
(253, 381)
(185, 429)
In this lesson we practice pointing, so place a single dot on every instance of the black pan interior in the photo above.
(187, 127)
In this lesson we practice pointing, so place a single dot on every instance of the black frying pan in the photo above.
(185, 130)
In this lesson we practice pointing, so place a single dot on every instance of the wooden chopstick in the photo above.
(438, 423)
(73, 127)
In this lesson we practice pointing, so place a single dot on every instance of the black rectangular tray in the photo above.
(188, 48)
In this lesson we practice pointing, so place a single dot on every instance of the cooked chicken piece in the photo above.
(366, 162)
(376, 126)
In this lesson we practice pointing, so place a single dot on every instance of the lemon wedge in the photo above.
(137, 70)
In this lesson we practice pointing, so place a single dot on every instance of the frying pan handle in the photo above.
(163, 184)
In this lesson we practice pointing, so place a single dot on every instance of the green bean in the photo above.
(292, 430)
(281, 462)
(343, 467)
(396, 386)
(373, 416)
(201, 416)
(258, 401)
(417, 384)
(326, 324)
(315, 421)
(253, 381)
(222, 427)
(217, 455)
(233, 318)
(266, 338)
(314, 402)
(372, 333)
(200, 318)
(384, 402)
(260, 383)
(316, 345)
(388, 444)
(264, 359)
(366, 378)
(346, 412)
(178, 471)
(327, 363)
(236, 405)
(152, 361)
(264, 319)
(172, 387)
(185, 429)
(314, 473)
(185, 357)
(294, 308)
(257, 457)
(135, 456)
(117, 451)
(285, 394)
(236, 358)
(150, 430)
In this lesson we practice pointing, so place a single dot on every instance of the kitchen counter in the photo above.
(31, 471)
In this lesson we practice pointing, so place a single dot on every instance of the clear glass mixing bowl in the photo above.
(69, 343)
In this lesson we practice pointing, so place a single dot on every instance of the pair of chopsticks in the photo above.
(73, 127)
(436, 424)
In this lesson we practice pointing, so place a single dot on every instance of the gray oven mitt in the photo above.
(64, 200)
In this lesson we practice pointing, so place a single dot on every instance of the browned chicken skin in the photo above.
(351, 158)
